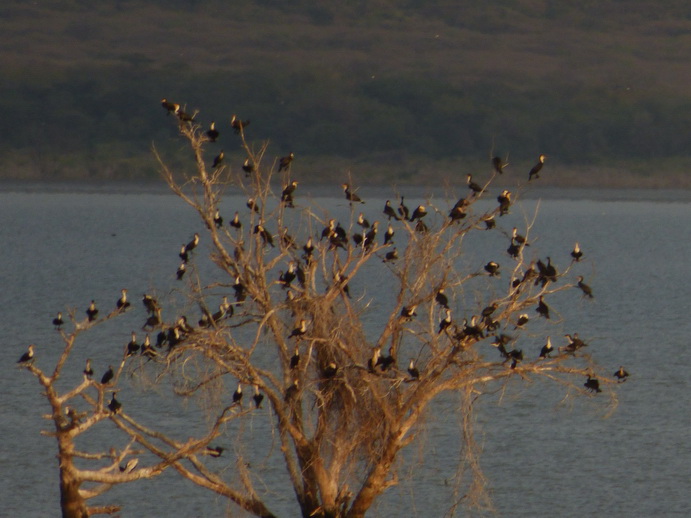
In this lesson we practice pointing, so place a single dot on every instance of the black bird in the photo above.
(388, 235)
(287, 194)
(308, 248)
(147, 349)
(574, 344)
(235, 222)
(183, 254)
(419, 212)
(546, 349)
(284, 162)
(413, 370)
(114, 406)
(504, 200)
(218, 219)
(248, 167)
(576, 253)
(150, 304)
(584, 287)
(389, 211)
(88, 371)
(215, 451)
(546, 272)
(522, 320)
(300, 330)
(132, 346)
(237, 395)
(193, 243)
(258, 397)
(441, 298)
(183, 115)
(362, 221)
(492, 268)
(490, 223)
(181, 270)
(330, 370)
(212, 133)
(253, 205)
(218, 159)
(57, 321)
(122, 302)
(621, 374)
(445, 322)
(391, 256)
(288, 276)
(514, 250)
(476, 188)
(349, 195)
(518, 238)
(408, 312)
(592, 384)
(108, 376)
(534, 172)
(498, 164)
(403, 210)
(292, 390)
(542, 308)
(237, 124)
(27, 357)
(371, 235)
(342, 282)
(266, 236)
(168, 106)
(457, 213)
(239, 289)
(91, 311)
(295, 359)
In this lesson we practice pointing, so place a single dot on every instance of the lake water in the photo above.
(64, 246)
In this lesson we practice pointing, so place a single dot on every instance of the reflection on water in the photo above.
(543, 456)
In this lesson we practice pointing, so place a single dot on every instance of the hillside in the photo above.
(386, 89)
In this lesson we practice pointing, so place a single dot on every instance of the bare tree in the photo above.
(346, 332)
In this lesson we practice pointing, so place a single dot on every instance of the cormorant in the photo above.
(546, 272)
(108, 376)
(330, 370)
(388, 210)
(248, 167)
(266, 236)
(168, 106)
(413, 370)
(289, 275)
(518, 238)
(91, 311)
(300, 330)
(441, 298)
(252, 205)
(574, 344)
(258, 397)
(584, 287)
(546, 349)
(122, 302)
(27, 357)
(181, 270)
(237, 395)
(522, 320)
(419, 212)
(374, 360)
(504, 200)
(193, 243)
(542, 308)
(403, 210)
(388, 235)
(235, 222)
(218, 219)
(183, 115)
(57, 321)
(408, 312)
(492, 268)
(308, 248)
(240, 291)
(237, 124)
(147, 349)
(592, 384)
(218, 159)
(287, 194)
(88, 371)
(445, 322)
(472, 185)
(576, 253)
(621, 374)
(114, 406)
(391, 256)
(183, 254)
(284, 162)
(536, 168)
(457, 213)
(498, 164)
(371, 236)
(212, 133)
(295, 359)
(362, 221)
(215, 452)
(292, 390)
(342, 282)
(351, 196)
(150, 304)
(132, 346)
(490, 223)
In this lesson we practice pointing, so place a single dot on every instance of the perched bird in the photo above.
(389, 211)
(218, 219)
(266, 236)
(57, 321)
(168, 106)
(419, 212)
(492, 268)
(108, 376)
(295, 359)
(349, 195)
(235, 222)
(330, 370)
(535, 171)
(476, 188)
(114, 406)
(258, 397)
(218, 159)
(445, 322)
(183, 254)
(408, 312)
(300, 330)
(150, 304)
(27, 357)
(91, 311)
(308, 248)
(413, 370)
(129, 466)
(621, 374)
(490, 222)
(252, 205)
(441, 298)
(587, 292)
(522, 320)
(193, 243)
(518, 238)
(388, 235)
(576, 253)
(287, 194)
(391, 256)
(237, 124)
(122, 303)
(248, 167)
(147, 349)
(183, 115)
(342, 282)
(284, 162)
(212, 133)
(132, 346)
(504, 200)
(592, 384)
(403, 210)
(575, 343)
(88, 371)
(498, 164)
(181, 270)
(215, 451)
(546, 349)
(457, 213)
(362, 221)
(237, 395)
(542, 308)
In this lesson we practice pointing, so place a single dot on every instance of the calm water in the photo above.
(62, 249)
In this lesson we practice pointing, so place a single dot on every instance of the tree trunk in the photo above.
(73, 505)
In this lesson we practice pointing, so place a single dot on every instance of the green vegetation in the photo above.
(403, 87)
